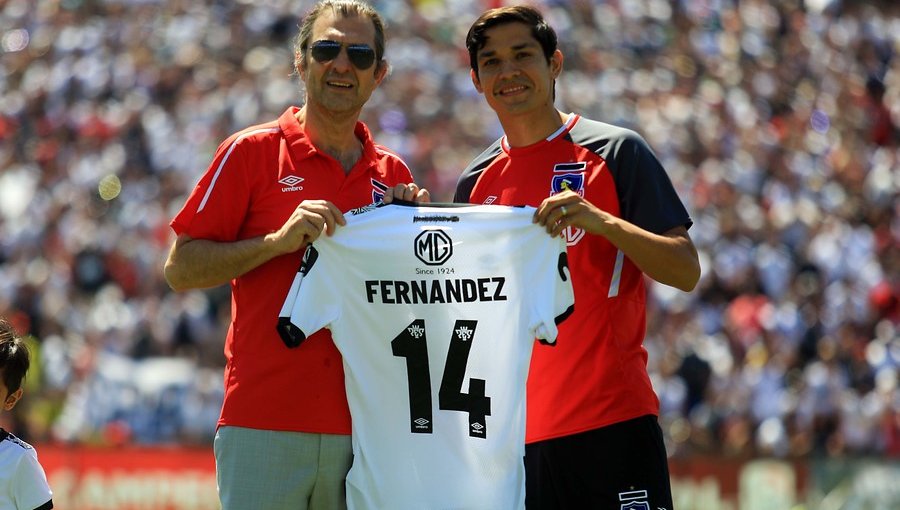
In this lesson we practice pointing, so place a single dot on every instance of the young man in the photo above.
(23, 484)
(593, 440)
(282, 440)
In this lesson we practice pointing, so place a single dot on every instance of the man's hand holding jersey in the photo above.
(407, 192)
(312, 217)
(653, 253)
(568, 208)
(306, 224)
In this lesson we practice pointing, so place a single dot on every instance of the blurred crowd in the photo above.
(777, 121)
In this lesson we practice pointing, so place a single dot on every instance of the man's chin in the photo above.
(340, 105)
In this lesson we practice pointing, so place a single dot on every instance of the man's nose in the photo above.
(509, 68)
(341, 62)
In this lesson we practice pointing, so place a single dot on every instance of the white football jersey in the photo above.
(435, 310)
(23, 483)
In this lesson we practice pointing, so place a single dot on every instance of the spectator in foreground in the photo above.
(23, 484)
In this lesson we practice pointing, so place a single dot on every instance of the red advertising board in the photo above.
(179, 478)
(130, 478)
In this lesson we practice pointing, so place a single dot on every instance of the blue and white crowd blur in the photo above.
(777, 121)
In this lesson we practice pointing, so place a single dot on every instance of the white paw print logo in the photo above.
(416, 331)
(464, 333)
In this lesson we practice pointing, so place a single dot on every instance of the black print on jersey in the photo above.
(578, 166)
(435, 219)
(433, 247)
(427, 292)
(362, 210)
(411, 344)
(309, 259)
(562, 265)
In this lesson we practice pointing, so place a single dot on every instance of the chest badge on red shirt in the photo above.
(569, 176)
(378, 189)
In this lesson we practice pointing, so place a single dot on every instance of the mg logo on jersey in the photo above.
(433, 247)
(378, 189)
(290, 183)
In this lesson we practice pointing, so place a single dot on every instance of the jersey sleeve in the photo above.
(30, 488)
(553, 298)
(217, 205)
(313, 301)
(646, 194)
(469, 176)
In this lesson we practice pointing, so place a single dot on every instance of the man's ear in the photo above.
(475, 81)
(556, 64)
(381, 71)
(11, 399)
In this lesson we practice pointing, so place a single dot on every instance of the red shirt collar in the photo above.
(302, 147)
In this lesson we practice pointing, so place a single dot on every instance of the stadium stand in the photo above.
(778, 122)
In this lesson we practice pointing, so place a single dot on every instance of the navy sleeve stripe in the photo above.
(470, 175)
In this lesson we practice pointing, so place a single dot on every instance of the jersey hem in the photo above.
(305, 430)
(588, 428)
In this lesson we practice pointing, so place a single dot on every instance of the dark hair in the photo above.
(14, 359)
(543, 32)
(345, 9)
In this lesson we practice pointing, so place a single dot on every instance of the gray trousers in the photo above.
(276, 470)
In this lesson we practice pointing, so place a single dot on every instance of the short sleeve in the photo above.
(218, 204)
(313, 301)
(553, 296)
(646, 195)
(30, 487)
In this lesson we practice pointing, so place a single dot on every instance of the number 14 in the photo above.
(412, 344)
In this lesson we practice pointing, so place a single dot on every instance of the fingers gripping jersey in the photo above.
(435, 311)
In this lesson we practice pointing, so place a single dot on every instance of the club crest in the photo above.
(568, 176)
(573, 182)
(378, 189)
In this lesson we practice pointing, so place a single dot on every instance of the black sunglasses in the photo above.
(362, 56)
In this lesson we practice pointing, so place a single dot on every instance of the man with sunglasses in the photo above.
(593, 440)
(282, 439)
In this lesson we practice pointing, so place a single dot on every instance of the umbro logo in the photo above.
(291, 183)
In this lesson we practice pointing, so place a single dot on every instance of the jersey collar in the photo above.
(302, 147)
(567, 125)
